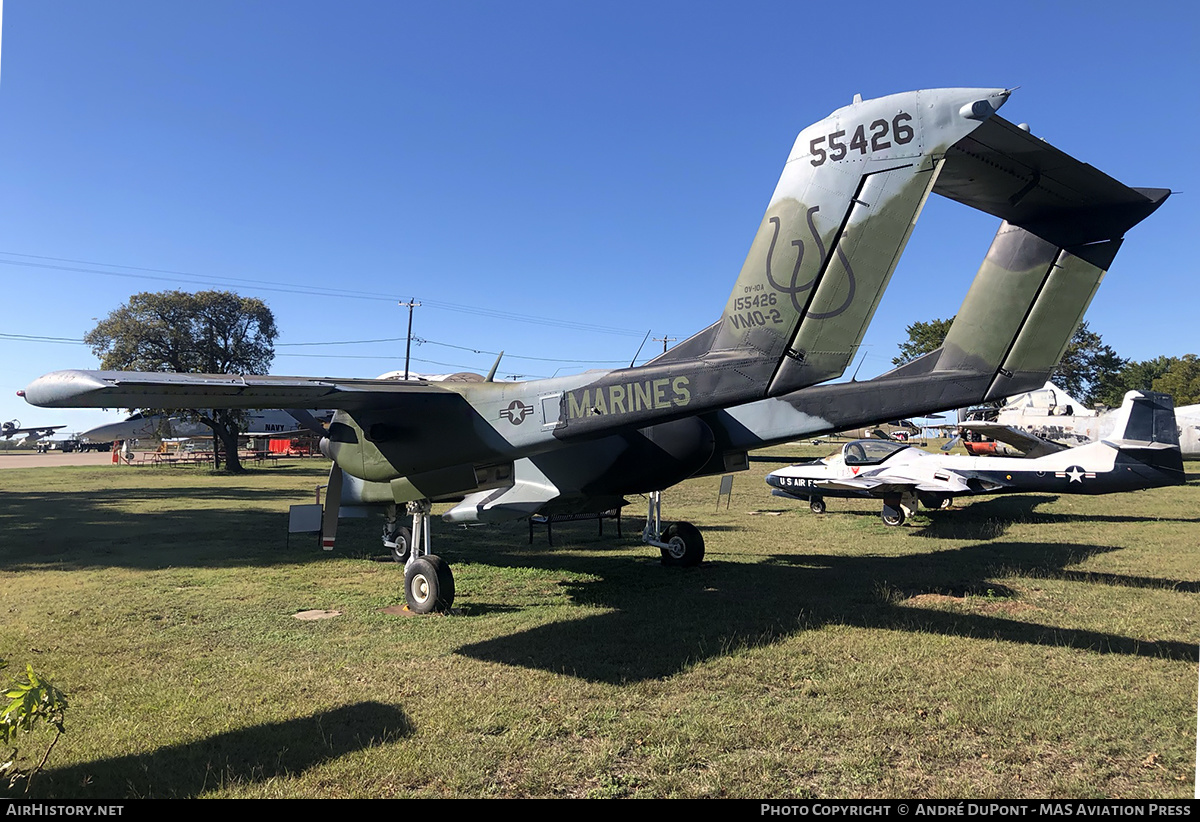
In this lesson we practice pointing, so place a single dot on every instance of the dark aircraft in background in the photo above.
(849, 196)
(13, 428)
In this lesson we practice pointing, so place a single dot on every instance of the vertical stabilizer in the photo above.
(1144, 418)
(845, 205)
(1022, 308)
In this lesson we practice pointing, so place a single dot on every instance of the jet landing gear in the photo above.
(899, 507)
(681, 543)
(428, 582)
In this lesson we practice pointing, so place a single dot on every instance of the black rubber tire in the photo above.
(428, 585)
(816, 505)
(935, 501)
(403, 545)
(687, 545)
(893, 515)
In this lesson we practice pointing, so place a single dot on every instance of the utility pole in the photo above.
(664, 339)
(408, 343)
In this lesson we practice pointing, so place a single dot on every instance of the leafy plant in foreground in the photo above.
(33, 701)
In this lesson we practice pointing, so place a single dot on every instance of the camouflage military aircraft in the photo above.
(13, 428)
(850, 193)
(1142, 453)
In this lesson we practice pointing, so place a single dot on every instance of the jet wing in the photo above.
(142, 389)
(1030, 444)
(870, 485)
(882, 485)
(36, 431)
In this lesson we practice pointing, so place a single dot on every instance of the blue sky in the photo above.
(552, 179)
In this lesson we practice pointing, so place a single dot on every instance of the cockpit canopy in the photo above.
(870, 452)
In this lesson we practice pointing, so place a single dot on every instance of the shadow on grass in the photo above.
(236, 758)
(991, 518)
(660, 621)
(238, 523)
(656, 621)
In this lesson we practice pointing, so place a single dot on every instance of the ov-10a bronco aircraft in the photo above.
(850, 193)
(1142, 453)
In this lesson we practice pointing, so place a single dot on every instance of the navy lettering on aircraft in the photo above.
(791, 289)
(901, 132)
(630, 397)
(516, 412)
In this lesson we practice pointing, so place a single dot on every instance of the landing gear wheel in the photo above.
(685, 545)
(936, 501)
(403, 540)
(428, 585)
(893, 515)
(816, 505)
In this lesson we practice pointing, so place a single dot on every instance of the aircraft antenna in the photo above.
(639, 351)
(854, 378)
(491, 376)
(412, 303)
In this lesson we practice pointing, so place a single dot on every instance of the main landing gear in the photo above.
(681, 543)
(899, 507)
(428, 582)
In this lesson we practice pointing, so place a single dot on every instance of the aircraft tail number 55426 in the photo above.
(901, 132)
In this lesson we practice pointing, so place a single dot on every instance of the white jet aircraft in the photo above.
(1143, 453)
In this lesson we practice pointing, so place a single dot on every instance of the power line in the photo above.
(190, 278)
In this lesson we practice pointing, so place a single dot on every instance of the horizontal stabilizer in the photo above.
(1005, 171)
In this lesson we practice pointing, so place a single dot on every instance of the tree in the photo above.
(213, 332)
(922, 338)
(1135, 376)
(1181, 380)
(1089, 370)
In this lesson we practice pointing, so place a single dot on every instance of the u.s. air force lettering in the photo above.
(624, 398)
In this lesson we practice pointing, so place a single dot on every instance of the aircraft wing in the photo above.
(35, 431)
(142, 389)
(1030, 444)
(885, 484)
(869, 485)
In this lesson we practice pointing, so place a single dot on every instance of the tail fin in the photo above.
(1146, 437)
(1145, 418)
(1022, 309)
(842, 212)
(1017, 318)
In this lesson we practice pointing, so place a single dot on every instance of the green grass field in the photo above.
(1025, 646)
